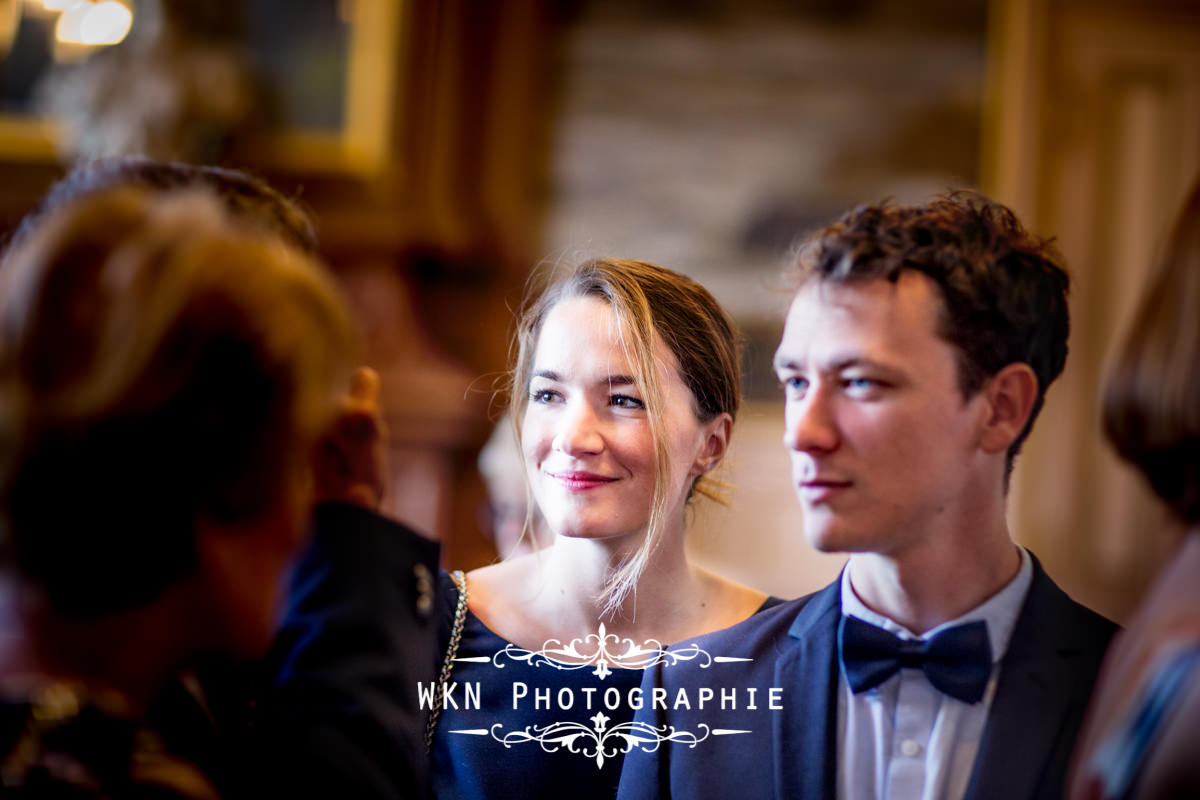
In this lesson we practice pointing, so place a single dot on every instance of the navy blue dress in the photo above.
(527, 724)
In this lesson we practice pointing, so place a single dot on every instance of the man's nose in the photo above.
(810, 423)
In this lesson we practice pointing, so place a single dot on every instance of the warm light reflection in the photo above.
(70, 24)
(90, 23)
(10, 19)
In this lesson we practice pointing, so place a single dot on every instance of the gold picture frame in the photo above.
(361, 148)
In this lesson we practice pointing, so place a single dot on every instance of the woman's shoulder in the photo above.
(730, 602)
(486, 587)
(499, 576)
(498, 598)
(497, 588)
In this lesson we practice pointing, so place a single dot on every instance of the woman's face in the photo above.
(586, 430)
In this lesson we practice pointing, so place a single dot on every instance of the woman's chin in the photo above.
(591, 533)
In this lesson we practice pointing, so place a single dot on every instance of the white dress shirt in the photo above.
(905, 740)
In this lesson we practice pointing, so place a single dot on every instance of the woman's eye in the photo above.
(625, 401)
(543, 396)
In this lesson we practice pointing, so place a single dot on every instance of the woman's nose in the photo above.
(579, 431)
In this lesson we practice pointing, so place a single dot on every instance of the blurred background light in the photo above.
(86, 23)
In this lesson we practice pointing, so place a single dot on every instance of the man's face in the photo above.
(884, 448)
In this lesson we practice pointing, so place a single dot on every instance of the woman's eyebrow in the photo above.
(608, 380)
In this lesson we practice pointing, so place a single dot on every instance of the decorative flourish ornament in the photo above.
(601, 650)
(599, 742)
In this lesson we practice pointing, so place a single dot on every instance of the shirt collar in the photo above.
(999, 611)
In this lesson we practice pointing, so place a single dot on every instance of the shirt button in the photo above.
(910, 748)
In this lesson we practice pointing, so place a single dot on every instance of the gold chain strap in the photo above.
(460, 616)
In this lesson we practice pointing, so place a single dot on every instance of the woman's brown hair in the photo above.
(1151, 399)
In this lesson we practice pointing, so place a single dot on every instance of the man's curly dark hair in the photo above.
(1003, 290)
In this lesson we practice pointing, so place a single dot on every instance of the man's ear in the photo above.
(716, 441)
(1010, 395)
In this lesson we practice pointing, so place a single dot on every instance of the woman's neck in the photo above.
(578, 571)
(559, 594)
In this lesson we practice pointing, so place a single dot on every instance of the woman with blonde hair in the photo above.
(624, 393)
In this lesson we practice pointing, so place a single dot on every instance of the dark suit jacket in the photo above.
(338, 715)
(1045, 680)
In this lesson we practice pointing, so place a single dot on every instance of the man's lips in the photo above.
(817, 489)
(581, 481)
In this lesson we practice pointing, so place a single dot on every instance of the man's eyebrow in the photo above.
(847, 362)
(783, 362)
(835, 365)
(887, 368)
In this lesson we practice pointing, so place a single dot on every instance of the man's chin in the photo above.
(823, 531)
(833, 538)
(827, 542)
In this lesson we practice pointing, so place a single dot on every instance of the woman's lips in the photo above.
(581, 481)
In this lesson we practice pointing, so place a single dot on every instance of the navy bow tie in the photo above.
(957, 661)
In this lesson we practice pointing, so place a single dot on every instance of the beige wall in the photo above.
(1094, 136)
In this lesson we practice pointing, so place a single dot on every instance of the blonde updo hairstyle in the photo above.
(648, 301)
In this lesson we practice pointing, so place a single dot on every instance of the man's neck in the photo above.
(923, 589)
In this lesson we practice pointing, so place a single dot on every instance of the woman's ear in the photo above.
(716, 441)
(1010, 395)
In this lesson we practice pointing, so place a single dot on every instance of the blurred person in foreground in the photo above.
(332, 709)
(247, 199)
(164, 375)
(1142, 737)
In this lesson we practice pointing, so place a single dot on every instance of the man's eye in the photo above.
(625, 401)
(861, 385)
(795, 384)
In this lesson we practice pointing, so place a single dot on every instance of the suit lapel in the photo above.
(1034, 692)
(806, 732)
